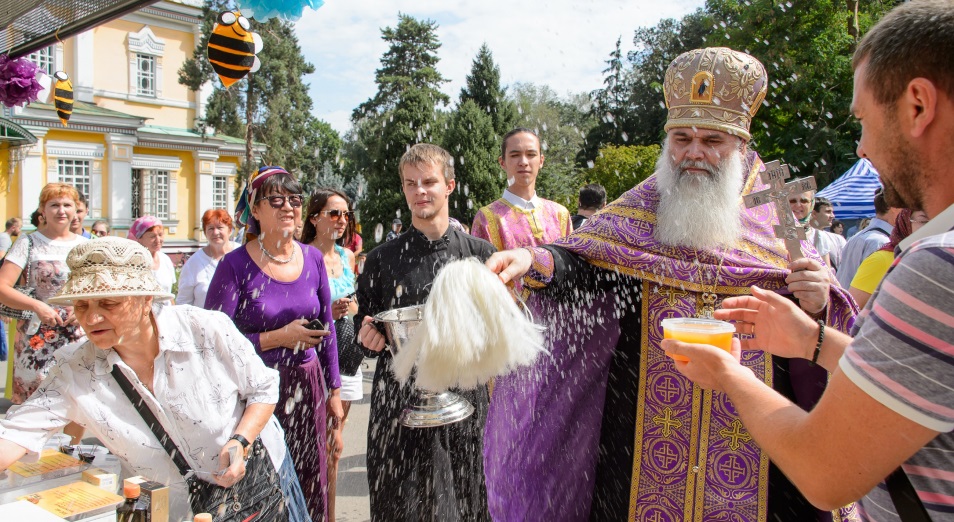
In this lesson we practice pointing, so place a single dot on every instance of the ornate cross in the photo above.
(736, 436)
(667, 422)
(788, 229)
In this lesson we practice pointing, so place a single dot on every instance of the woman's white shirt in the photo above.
(195, 277)
(206, 372)
(166, 274)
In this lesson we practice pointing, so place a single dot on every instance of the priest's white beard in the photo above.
(698, 211)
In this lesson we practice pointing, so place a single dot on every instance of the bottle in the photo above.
(132, 510)
(202, 517)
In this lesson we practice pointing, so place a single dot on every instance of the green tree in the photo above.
(561, 124)
(270, 106)
(401, 113)
(620, 168)
(471, 141)
(483, 87)
(610, 109)
(325, 145)
(805, 119)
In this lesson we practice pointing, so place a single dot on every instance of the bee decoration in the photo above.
(63, 96)
(232, 48)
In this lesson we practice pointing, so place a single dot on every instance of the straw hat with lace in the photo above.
(109, 267)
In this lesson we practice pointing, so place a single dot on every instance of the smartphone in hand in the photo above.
(316, 324)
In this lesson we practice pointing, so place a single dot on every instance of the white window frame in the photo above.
(146, 75)
(158, 191)
(90, 152)
(45, 59)
(140, 45)
(77, 172)
(220, 192)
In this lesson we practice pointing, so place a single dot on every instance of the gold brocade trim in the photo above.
(493, 227)
(668, 281)
(534, 218)
(702, 404)
(640, 405)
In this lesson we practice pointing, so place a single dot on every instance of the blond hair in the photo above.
(428, 154)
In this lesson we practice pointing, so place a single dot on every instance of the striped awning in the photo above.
(852, 194)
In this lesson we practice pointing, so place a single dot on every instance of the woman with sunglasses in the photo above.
(276, 291)
(328, 225)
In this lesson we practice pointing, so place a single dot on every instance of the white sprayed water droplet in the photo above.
(378, 233)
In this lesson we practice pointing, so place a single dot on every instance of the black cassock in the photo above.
(419, 473)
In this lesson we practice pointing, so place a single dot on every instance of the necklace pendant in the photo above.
(706, 304)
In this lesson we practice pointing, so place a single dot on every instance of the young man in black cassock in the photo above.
(419, 473)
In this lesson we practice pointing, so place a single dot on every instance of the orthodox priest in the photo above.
(419, 473)
(673, 246)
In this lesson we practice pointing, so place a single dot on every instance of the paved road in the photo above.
(353, 504)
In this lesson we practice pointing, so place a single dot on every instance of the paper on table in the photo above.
(50, 460)
(25, 510)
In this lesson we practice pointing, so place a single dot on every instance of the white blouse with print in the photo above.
(206, 372)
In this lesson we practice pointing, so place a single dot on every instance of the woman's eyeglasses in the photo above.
(336, 214)
(295, 200)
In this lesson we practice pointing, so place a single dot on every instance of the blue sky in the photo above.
(560, 43)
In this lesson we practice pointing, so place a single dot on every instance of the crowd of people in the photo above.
(834, 403)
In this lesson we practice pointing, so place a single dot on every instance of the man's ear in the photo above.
(451, 185)
(918, 105)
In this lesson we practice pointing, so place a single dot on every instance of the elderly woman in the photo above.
(150, 233)
(277, 292)
(329, 225)
(40, 260)
(198, 374)
(197, 272)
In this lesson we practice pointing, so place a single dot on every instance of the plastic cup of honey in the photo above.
(698, 331)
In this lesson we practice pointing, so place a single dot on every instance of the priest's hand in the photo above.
(810, 283)
(771, 323)
(510, 265)
(370, 337)
(708, 366)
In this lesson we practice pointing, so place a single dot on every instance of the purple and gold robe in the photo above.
(693, 458)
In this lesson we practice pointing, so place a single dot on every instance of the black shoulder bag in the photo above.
(905, 498)
(256, 497)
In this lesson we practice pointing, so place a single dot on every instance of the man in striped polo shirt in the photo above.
(890, 400)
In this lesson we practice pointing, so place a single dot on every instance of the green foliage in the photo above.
(483, 87)
(401, 114)
(471, 141)
(410, 62)
(270, 106)
(561, 124)
(324, 144)
(805, 119)
(620, 168)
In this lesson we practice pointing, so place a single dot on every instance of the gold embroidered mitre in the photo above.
(715, 88)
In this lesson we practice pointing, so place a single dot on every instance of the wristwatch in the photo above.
(242, 440)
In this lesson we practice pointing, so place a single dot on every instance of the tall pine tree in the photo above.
(483, 88)
(399, 115)
(471, 140)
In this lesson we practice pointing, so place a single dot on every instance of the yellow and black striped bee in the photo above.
(63, 96)
(232, 48)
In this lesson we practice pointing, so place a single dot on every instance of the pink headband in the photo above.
(141, 225)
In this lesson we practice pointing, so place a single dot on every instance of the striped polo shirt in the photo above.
(903, 357)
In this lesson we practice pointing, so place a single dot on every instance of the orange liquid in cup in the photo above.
(700, 331)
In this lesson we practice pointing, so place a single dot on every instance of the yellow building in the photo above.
(135, 144)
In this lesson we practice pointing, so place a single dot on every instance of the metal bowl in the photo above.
(399, 325)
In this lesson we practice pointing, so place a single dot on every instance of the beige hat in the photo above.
(714, 88)
(109, 267)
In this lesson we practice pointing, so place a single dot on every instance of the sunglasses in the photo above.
(336, 214)
(294, 200)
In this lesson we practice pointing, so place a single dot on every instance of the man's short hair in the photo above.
(821, 202)
(12, 222)
(592, 196)
(914, 40)
(881, 206)
(428, 154)
(518, 130)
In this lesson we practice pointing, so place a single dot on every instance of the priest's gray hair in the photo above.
(471, 331)
(428, 154)
(698, 211)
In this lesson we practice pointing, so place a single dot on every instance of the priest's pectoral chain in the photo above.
(706, 304)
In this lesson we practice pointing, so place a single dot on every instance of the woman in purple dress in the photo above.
(273, 287)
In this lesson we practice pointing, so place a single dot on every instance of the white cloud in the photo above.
(560, 43)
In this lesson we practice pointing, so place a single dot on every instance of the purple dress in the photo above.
(257, 303)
